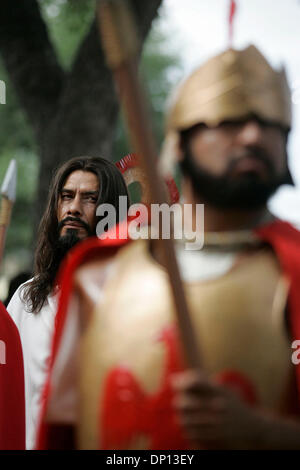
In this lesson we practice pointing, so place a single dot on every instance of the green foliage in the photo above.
(68, 21)
(15, 130)
(16, 141)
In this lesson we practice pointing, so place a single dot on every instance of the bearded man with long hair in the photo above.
(78, 187)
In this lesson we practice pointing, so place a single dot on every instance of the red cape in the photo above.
(284, 239)
(12, 399)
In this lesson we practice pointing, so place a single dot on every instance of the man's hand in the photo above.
(214, 416)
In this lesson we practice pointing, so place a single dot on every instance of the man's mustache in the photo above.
(256, 153)
(74, 219)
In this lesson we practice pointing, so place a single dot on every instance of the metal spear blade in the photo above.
(9, 184)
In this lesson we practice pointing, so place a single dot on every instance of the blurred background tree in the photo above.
(70, 109)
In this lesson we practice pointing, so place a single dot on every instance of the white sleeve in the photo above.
(16, 308)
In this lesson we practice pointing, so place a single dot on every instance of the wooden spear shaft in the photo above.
(118, 30)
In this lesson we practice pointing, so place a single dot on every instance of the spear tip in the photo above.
(9, 185)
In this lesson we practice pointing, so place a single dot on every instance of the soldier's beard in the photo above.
(249, 191)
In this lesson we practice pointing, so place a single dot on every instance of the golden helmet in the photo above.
(232, 85)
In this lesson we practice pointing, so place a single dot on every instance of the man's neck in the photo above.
(221, 220)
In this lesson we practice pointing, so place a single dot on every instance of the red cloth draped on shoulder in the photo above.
(12, 398)
(284, 239)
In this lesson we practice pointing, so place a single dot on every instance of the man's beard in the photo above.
(249, 191)
(66, 242)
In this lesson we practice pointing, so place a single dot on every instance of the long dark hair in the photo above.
(46, 264)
